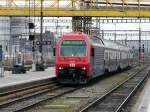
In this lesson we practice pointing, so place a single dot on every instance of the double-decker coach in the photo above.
(80, 58)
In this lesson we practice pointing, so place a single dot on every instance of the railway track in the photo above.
(116, 99)
(22, 99)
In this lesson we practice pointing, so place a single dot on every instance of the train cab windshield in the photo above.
(73, 48)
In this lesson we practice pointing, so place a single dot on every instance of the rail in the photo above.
(118, 97)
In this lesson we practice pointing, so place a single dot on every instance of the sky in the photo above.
(64, 27)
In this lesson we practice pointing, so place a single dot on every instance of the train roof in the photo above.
(109, 44)
(75, 35)
(96, 41)
(115, 45)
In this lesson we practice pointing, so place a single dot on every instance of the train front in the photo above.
(73, 59)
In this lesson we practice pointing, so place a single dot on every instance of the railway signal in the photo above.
(31, 37)
(143, 48)
(31, 25)
(1, 53)
(1, 59)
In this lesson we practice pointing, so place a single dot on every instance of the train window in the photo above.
(73, 48)
(73, 42)
(96, 39)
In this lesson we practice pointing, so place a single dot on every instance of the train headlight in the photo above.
(60, 68)
(83, 68)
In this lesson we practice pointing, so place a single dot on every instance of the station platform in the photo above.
(143, 102)
(10, 79)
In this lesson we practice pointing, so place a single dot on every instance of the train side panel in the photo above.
(123, 60)
(97, 61)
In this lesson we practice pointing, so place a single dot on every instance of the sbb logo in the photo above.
(72, 65)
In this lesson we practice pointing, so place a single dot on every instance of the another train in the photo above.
(80, 58)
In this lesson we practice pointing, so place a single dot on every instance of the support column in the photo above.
(82, 24)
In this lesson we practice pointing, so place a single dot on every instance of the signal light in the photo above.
(143, 48)
(31, 37)
(33, 49)
(31, 25)
(40, 49)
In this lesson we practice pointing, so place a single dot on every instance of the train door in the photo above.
(109, 63)
(106, 60)
(120, 59)
(116, 55)
(92, 61)
(99, 60)
(128, 58)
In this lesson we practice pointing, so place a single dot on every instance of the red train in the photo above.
(80, 58)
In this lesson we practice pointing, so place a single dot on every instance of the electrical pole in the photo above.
(139, 32)
(41, 33)
(115, 33)
(139, 43)
(33, 43)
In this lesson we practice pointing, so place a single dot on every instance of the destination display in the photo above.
(73, 42)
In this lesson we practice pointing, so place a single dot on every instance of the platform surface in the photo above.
(143, 103)
(10, 79)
